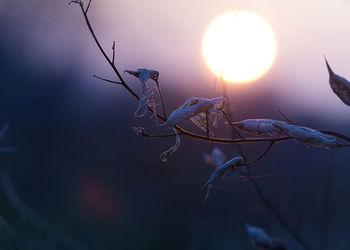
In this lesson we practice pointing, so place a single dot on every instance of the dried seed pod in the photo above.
(260, 127)
(339, 85)
(219, 172)
(195, 109)
(172, 149)
(146, 96)
(309, 136)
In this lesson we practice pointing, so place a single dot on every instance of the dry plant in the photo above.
(206, 113)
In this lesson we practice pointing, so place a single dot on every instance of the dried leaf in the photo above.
(260, 126)
(339, 85)
(195, 109)
(172, 149)
(146, 96)
(309, 136)
(261, 239)
(219, 172)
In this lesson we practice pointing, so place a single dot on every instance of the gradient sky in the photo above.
(167, 36)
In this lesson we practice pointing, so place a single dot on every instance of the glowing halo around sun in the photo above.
(239, 46)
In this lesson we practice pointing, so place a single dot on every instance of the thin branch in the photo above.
(113, 49)
(336, 134)
(285, 117)
(161, 99)
(145, 134)
(107, 80)
(261, 156)
(232, 126)
(87, 8)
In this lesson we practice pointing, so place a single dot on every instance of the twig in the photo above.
(113, 49)
(161, 99)
(87, 8)
(107, 80)
(232, 126)
(261, 156)
(336, 134)
(285, 117)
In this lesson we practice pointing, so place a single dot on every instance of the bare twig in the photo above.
(87, 8)
(113, 49)
(285, 117)
(232, 126)
(161, 99)
(107, 80)
(261, 156)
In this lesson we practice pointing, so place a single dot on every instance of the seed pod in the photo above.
(309, 136)
(339, 85)
(146, 96)
(195, 109)
(219, 172)
(260, 126)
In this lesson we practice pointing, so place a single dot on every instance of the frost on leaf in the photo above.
(195, 109)
(261, 239)
(216, 158)
(309, 136)
(146, 96)
(230, 165)
(260, 126)
(172, 149)
(339, 85)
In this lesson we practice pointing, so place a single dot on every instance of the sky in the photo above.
(167, 36)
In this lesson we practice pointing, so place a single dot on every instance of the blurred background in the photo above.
(79, 165)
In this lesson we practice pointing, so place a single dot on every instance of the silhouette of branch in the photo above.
(161, 99)
(107, 80)
(285, 117)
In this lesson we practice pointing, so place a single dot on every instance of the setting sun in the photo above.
(239, 46)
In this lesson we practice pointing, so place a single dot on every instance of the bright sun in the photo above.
(239, 46)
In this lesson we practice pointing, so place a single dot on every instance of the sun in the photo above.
(239, 46)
